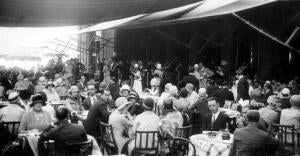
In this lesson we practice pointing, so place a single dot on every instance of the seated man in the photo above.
(146, 121)
(216, 120)
(91, 99)
(251, 140)
(63, 132)
(171, 114)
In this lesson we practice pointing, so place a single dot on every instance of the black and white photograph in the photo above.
(149, 77)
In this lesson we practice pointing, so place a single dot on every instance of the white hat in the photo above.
(202, 92)
(13, 96)
(285, 92)
(167, 86)
(154, 82)
(196, 66)
(136, 65)
(125, 87)
(173, 90)
(42, 80)
(158, 66)
(121, 103)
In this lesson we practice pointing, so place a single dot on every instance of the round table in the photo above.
(209, 146)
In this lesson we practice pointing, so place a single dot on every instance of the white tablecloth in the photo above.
(206, 146)
(33, 143)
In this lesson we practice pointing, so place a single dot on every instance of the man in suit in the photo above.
(190, 79)
(63, 132)
(81, 84)
(98, 112)
(91, 99)
(242, 87)
(251, 140)
(216, 120)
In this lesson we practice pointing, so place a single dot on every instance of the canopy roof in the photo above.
(189, 12)
(37, 13)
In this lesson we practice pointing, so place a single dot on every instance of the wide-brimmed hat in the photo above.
(38, 98)
(189, 87)
(122, 103)
(50, 83)
(13, 96)
(148, 103)
(124, 87)
(42, 80)
(133, 95)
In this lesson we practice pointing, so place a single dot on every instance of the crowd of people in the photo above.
(141, 99)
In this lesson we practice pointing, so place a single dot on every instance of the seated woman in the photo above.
(36, 118)
(51, 92)
(121, 121)
(182, 103)
(171, 114)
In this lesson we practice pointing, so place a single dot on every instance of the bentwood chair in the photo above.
(181, 147)
(246, 148)
(196, 122)
(184, 132)
(11, 128)
(107, 139)
(286, 134)
(146, 143)
(79, 149)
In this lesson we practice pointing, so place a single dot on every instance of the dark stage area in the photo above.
(225, 39)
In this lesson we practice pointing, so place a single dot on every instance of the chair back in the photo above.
(146, 142)
(186, 119)
(286, 133)
(107, 137)
(184, 132)
(180, 146)
(246, 148)
(80, 149)
(11, 127)
(196, 122)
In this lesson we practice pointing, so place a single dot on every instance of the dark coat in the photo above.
(252, 136)
(189, 79)
(81, 86)
(87, 103)
(243, 89)
(64, 132)
(224, 94)
(220, 122)
(98, 112)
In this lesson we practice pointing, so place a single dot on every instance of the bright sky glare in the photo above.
(37, 42)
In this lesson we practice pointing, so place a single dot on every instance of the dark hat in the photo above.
(38, 98)
(148, 103)
(133, 95)
(168, 104)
